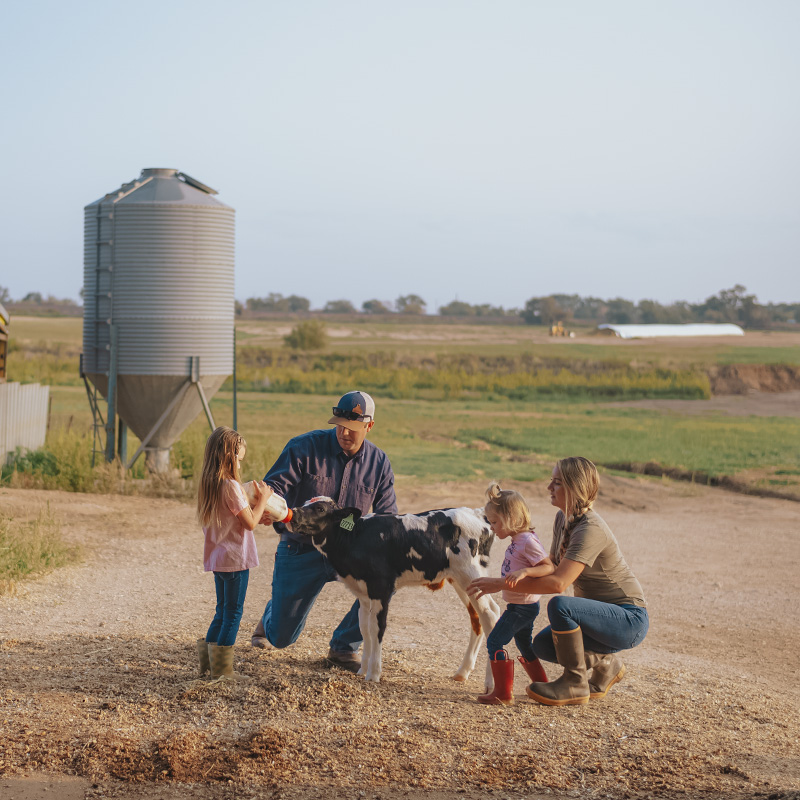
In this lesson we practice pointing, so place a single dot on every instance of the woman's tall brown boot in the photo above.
(572, 688)
(534, 669)
(503, 692)
(607, 669)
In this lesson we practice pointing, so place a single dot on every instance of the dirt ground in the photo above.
(98, 695)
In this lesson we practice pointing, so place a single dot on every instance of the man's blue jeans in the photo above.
(516, 623)
(231, 589)
(299, 575)
(607, 628)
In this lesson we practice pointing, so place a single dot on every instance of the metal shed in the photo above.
(689, 329)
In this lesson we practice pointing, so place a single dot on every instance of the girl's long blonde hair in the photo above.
(219, 463)
(581, 483)
(510, 507)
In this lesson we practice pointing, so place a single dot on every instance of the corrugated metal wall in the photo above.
(23, 416)
(173, 288)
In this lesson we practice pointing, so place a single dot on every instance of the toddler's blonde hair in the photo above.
(510, 506)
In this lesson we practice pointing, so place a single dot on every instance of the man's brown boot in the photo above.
(572, 688)
(347, 661)
(607, 669)
(259, 638)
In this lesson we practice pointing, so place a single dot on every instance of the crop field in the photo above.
(459, 401)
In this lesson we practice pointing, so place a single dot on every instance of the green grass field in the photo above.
(465, 439)
(468, 430)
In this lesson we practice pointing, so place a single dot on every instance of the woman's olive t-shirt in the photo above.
(606, 576)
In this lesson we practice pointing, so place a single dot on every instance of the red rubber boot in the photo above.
(534, 669)
(503, 674)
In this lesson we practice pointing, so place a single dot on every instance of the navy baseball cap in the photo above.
(354, 411)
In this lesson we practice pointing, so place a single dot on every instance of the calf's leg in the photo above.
(371, 658)
(487, 612)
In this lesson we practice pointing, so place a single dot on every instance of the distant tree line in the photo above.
(37, 304)
(730, 305)
(36, 299)
(405, 304)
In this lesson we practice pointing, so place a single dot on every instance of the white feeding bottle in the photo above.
(276, 505)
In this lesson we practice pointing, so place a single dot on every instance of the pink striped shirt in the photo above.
(230, 547)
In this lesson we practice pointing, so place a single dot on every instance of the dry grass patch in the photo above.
(31, 547)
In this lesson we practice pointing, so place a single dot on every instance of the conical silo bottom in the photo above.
(142, 399)
(156, 459)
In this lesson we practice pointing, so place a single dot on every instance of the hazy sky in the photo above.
(486, 151)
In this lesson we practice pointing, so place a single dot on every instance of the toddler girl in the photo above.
(230, 548)
(509, 517)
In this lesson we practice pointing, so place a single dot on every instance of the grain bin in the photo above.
(158, 305)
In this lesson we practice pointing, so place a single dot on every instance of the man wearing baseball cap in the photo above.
(341, 464)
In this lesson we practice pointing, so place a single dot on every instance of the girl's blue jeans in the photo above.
(231, 588)
(607, 628)
(516, 623)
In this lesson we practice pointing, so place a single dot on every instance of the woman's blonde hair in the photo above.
(219, 463)
(581, 482)
(510, 507)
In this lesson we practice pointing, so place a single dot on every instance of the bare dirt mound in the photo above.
(753, 403)
(98, 670)
(743, 378)
(655, 469)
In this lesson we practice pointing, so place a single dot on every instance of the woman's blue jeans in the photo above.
(516, 623)
(606, 628)
(231, 588)
(299, 575)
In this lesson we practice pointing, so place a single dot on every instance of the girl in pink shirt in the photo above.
(230, 548)
(509, 517)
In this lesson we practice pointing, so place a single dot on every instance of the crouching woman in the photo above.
(608, 612)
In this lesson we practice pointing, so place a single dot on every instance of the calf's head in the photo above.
(321, 515)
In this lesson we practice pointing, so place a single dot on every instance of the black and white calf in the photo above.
(377, 554)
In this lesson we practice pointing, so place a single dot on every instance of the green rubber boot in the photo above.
(202, 656)
(221, 659)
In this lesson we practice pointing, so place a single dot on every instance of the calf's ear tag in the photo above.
(347, 523)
